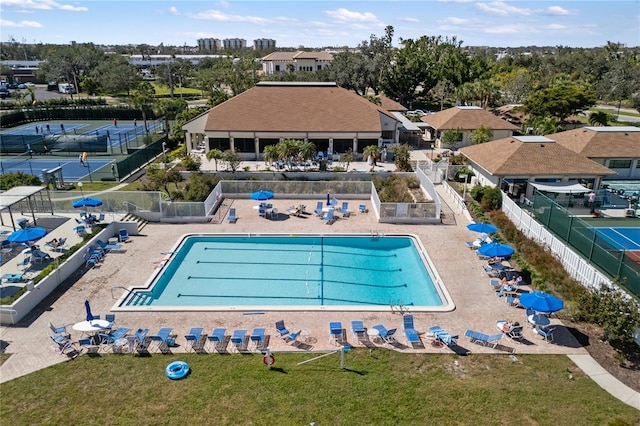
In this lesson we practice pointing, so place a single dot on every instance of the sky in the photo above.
(500, 23)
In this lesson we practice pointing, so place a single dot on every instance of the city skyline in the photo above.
(319, 24)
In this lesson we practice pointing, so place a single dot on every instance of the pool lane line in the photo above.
(314, 281)
(358, 302)
(271, 250)
(299, 264)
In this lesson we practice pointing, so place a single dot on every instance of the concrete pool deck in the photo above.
(477, 306)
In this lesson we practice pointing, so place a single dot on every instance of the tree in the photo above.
(481, 135)
(116, 75)
(232, 159)
(562, 99)
(599, 118)
(307, 151)
(347, 158)
(370, 151)
(70, 63)
(541, 126)
(270, 153)
(452, 138)
(9, 180)
(401, 157)
(143, 99)
(215, 155)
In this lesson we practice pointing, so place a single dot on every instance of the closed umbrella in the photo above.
(27, 234)
(87, 202)
(483, 228)
(261, 195)
(496, 250)
(540, 301)
(88, 308)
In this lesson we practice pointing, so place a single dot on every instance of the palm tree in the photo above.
(307, 151)
(370, 150)
(287, 150)
(481, 135)
(599, 118)
(215, 155)
(270, 153)
(143, 99)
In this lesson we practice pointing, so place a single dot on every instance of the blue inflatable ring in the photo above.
(177, 370)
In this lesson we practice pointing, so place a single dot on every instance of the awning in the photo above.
(572, 187)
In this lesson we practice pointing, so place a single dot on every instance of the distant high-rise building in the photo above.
(209, 44)
(234, 43)
(264, 44)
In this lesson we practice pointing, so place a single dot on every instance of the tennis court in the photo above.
(620, 238)
(72, 169)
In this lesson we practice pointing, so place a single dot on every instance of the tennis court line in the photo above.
(619, 238)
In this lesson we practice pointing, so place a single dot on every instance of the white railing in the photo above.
(573, 263)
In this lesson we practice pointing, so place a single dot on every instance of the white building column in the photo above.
(232, 144)
(355, 146)
(257, 147)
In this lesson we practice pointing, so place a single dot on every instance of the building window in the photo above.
(619, 164)
(277, 68)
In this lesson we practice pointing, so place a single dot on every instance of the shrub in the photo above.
(463, 171)
(477, 192)
(491, 199)
(191, 163)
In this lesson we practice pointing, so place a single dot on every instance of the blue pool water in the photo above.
(288, 271)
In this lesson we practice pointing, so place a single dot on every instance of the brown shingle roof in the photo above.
(466, 118)
(309, 107)
(390, 105)
(601, 142)
(512, 157)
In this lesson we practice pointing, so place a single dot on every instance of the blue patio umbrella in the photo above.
(27, 234)
(88, 308)
(496, 250)
(483, 228)
(261, 195)
(540, 301)
(87, 202)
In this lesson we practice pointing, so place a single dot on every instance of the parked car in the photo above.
(13, 85)
(30, 84)
(22, 86)
(4, 92)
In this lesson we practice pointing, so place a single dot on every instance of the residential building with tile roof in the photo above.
(284, 62)
(511, 163)
(467, 119)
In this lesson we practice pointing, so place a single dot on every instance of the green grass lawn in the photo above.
(381, 388)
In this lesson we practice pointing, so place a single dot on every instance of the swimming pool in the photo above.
(285, 272)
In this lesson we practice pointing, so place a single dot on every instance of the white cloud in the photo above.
(22, 24)
(218, 16)
(223, 4)
(43, 5)
(173, 10)
(454, 20)
(557, 10)
(555, 27)
(502, 9)
(345, 15)
(410, 20)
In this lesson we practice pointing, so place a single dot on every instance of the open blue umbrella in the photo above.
(495, 250)
(483, 228)
(87, 202)
(88, 308)
(27, 234)
(540, 301)
(261, 195)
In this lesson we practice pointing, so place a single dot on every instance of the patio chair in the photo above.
(92, 347)
(344, 210)
(409, 330)
(161, 337)
(193, 338)
(108, 247)
(238, 339)
(546, 333)
(318, 210)
(262, 211)
(335, 332)
(257, 336)
(232, 215)
(512, 330)
(358, 330)
(63, 343)
(80, 230)
(111, 318)
(123, 235)
(329, 218)
(387, 336)
(513, 301)
(281, 329)
(483, 339)
(362, 208)
(59, 331)
(217, 336)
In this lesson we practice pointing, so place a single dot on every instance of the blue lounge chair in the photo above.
(329, 218)
(281, 329)
(123, 235)
(112, 320)
(362, 208)
(257, 336)
(108, 247)
(161, 337)
(238, 339)
(409, 330)
(345, 209)
(335, 332)
(442, 336)
(193, 338)
(140, 336)
(318, 210)
(388, 336)
(80, 230)
(358, 330)
(232, 215)
(217, 336)
(88, 343)
(59, 331)
(546, 333)
(63, 343)
(483, 339)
